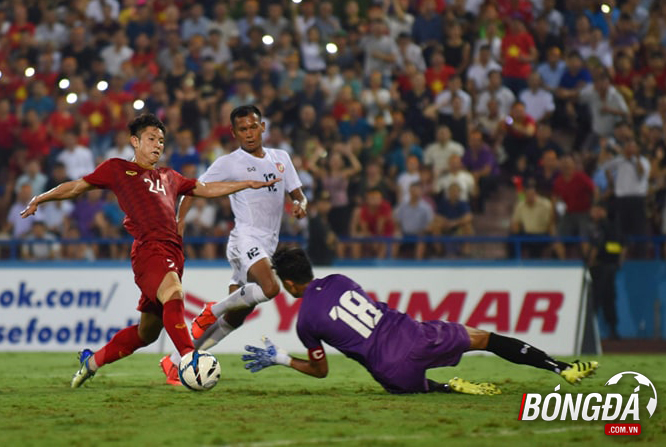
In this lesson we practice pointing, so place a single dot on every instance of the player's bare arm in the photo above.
(217, 189)
(260, 358)
(183, 208)
(63, 191)
(300, 203)
(312, 367)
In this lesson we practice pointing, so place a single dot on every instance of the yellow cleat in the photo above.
(578, 371)
(463, 386)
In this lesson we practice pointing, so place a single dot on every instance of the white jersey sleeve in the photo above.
(220, 171)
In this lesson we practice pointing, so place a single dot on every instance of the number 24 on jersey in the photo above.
(155, 187)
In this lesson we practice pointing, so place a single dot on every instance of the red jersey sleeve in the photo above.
(185, 185)
(102, 176)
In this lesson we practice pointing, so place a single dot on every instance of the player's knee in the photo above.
(478, 338)
(172, 292)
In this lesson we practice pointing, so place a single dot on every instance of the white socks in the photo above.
(247, 296)
(210, 338)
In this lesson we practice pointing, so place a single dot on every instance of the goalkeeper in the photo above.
(393, 347)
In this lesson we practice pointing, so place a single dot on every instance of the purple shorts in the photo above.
(438, 343)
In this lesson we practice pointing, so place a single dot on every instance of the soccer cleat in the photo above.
(205, 319)
(84, 373)
(578, 371)
(170, 371)
(463, 386)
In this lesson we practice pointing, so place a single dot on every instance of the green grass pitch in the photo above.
(127, 403)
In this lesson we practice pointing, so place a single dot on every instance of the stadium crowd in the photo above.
(403, 117)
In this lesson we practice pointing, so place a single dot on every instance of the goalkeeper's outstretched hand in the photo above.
(260, 358)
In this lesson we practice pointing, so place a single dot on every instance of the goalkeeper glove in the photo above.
(260, 358)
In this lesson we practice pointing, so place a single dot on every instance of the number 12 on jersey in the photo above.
(357, 312)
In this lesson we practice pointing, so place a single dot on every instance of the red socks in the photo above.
(127, 341)
(174, 323)
(121, 345)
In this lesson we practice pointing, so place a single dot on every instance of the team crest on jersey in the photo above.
(280, 166)
(131, 173)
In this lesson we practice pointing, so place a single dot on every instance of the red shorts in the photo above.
(151, 261)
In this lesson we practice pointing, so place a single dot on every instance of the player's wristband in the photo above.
(282, 358)
(301, 204)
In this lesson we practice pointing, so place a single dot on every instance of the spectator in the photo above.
(606, 104)
(322, 241)
(79, 48)
(457, 174)
(456, 49)
(355, 124)
(597, 47)
(78, 159)
(546, 173)
(518, 54)
(34, 136)
(437, 153)
(122, 148)
(197, 24)
(118, 52)
(199, 222)
(414, 102)
(552, 69)
(454, 216)
(438, 73)
(39, 101)
(407, 145)
(545, 38)
(457, 120)
(334, 177)
(374, 218)
(312, 51)
(410, 176)
(534, 216)
(326, 22)
(305, 130)
(539, 102)
(542, 143)
(9, 127)
(646, 100)
(50, 30)
(479, 71)
(658, 117)
(32, 175)
(628, 173)
(572, 81)
(575, 190)
(380, 51)
(413, 217)
(141, 23)
(305, 18)
(15, 224)
(481, 162)
(443, 103)
(519, 129)
(376, 100)
(40, 244)
(185, 152)
(224, 24)
(502, 94)
(427, 29)
(409, 52)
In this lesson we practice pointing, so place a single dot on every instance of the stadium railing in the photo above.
(505, 247)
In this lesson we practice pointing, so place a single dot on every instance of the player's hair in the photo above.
(138, 124)
(243, 111)
(293, 263)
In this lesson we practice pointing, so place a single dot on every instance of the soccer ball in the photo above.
(199, 370)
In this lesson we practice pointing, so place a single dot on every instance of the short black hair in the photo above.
(292, 263)
(243, 111)
(138, 124)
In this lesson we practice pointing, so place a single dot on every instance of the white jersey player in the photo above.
(254, 237)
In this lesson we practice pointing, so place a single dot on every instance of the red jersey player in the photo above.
(147, 194)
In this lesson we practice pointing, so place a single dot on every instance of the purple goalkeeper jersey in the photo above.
(336, 310)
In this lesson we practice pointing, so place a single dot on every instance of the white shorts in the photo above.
(243, 252)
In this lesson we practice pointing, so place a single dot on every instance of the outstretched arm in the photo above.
(63, 191)
(260, 358)
(217, 189)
